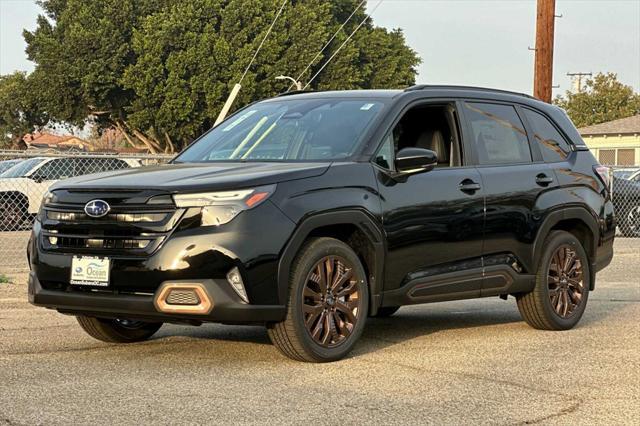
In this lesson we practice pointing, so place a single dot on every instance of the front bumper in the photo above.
(204, 255)
(228, 308)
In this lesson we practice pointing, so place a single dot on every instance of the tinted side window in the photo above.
(384, 157)
(499, 133)
(552, 145)
(60, 168)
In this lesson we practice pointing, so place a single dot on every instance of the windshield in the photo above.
(21, 169)
(288, 130)
(7, 164)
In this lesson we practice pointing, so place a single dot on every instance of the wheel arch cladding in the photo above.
(357, 229)
(577, 221)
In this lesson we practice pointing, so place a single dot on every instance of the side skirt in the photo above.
(468, 284)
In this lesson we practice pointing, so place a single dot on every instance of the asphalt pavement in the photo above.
(450, 363)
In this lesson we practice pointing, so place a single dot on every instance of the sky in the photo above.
(468, 42)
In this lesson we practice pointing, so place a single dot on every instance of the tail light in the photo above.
(604, 173)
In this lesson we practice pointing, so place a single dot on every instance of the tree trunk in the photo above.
(151, 144)
(127, 136)
(170, 146)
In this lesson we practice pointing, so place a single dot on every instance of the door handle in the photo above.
(543, 180)
(468, 185)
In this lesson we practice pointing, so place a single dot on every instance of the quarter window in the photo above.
(499, 134)
(552, 145)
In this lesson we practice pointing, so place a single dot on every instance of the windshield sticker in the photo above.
(239, 120)
(366, 107)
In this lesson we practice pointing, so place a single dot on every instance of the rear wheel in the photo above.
(328, 303)
(562, 285)
(118, 330)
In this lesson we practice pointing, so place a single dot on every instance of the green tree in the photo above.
(604, 99)
(20, 111)
(160, 70)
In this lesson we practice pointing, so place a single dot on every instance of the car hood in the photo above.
(196, 176)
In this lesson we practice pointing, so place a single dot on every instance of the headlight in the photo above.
(48, 198)
(219, 208)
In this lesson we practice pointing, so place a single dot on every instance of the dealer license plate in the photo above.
(92, 271)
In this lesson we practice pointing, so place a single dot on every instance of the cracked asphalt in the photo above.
(449, 363)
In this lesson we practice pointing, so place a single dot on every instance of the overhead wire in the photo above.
(328, 43)
(367, 16)
(284, 3)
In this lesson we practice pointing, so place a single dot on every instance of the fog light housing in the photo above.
(235, 279)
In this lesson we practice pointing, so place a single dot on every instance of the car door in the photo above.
(514, 181)
(433, 223)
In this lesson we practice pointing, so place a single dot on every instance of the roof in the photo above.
(629, 125)
(426, 91)
(45, 138)
(341, 94)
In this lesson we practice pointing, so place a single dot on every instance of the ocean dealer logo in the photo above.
(97, 208)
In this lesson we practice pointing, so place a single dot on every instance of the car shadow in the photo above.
(379, 333)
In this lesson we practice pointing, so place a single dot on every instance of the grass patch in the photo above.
(4, 279)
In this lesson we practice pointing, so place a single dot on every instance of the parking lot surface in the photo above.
(450, 363)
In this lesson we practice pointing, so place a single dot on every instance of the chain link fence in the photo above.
(625, 189)
(25, 177)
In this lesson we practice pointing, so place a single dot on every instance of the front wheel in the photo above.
(12, 214)
(560, 295)
(118, 330)
(328, 303)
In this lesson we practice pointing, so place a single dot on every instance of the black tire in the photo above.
(536, 307)
(630, 222)
(12, 214)
(291, 336)
(386, 311)
(117, 331)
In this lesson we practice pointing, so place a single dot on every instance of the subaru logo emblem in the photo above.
(97, 208)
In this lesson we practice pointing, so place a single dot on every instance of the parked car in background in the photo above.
(22, 186)
(624, 173)
(7, 164)
(626, 199)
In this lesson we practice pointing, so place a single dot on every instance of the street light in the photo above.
(293, 80)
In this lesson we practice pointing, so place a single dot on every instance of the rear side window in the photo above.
(552, 144)
(499, 134)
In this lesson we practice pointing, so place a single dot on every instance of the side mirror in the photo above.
(416, 160)
(37, 178)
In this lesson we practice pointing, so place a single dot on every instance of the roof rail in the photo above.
(450, 87)
(295, 92)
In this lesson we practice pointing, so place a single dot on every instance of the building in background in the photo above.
(49, 141)
(615, 142)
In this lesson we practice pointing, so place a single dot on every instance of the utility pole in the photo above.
(577, 79)
(545, 26)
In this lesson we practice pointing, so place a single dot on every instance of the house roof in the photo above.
(51, 140)
(629, 125)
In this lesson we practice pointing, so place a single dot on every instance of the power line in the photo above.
(284, 3)
(329, 42)
(342, 45)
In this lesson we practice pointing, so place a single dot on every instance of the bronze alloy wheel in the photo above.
(330, 301)
(565, 281)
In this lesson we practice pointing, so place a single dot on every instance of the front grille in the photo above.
(182, 297)
(62, 216)
(132, 230)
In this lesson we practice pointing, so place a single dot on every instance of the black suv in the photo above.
(312, 211)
